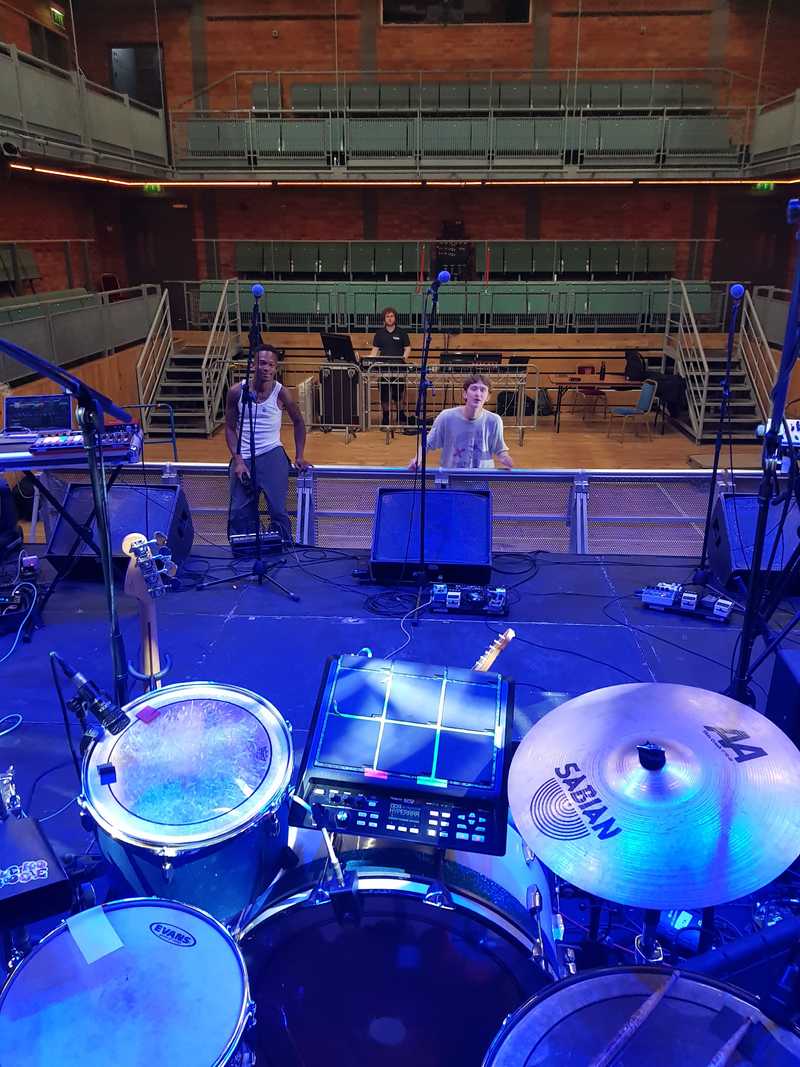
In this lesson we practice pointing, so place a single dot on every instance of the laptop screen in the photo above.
(40, 413)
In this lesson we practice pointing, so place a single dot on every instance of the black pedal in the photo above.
(33, 884)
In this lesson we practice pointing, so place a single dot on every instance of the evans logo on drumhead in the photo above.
(567, 807)
(173, 935)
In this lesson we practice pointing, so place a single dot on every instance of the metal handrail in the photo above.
(757, 356)
(152, 359)
(219, 353)
(682, 342)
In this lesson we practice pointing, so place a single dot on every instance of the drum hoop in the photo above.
(191, 843)
(385, 883)
(247, 1008)
(747, 999)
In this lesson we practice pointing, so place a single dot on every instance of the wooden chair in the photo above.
(641, 410)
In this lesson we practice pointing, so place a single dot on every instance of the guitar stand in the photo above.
(259, 570)
(155, 676)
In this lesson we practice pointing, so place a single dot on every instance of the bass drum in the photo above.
(190, 799)
(392, 971)
(575, 1021)
(129, 983)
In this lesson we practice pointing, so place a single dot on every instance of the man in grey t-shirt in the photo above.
(469, 436)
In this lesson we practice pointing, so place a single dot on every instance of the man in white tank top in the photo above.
(263, 425)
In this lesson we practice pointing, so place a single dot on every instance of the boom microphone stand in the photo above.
(91, 408)
(702, 574)
(261, 567)
(422, 411)
(739, 688)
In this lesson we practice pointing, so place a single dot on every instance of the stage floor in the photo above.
(579, 628)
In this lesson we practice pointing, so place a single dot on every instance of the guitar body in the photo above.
(144, 581)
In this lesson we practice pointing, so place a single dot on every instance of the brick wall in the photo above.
(100, 25)
(279, 35)
(53, 211)
(15, 16)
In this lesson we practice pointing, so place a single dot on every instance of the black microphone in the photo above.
(442, 278)
(110, 715)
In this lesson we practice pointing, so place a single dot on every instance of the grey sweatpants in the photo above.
(272, 475)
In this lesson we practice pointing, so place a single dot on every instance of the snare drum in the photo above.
(392, 971)
(190, 800)
(131, 983)
(576, 1020)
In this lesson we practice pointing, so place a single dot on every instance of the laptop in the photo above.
(338, 347)
(37, 414)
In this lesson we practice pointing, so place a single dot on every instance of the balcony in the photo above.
(47, 111)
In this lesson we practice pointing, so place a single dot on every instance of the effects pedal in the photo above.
(469, 599)
(671, 596)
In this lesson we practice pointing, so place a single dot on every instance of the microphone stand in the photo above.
(421, 575)
(261, 567)
(92, 405)
(739, 688)
(702, 573)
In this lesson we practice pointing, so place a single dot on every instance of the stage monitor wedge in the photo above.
(458, 535)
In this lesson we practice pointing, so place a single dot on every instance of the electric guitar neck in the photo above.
(494, 650)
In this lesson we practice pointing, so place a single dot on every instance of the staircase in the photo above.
(188, 378)
(181, 386)
(752, 371)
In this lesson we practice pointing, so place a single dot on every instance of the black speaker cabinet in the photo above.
(783, 700)
(131, 509)
(458, 535)
(733, 527)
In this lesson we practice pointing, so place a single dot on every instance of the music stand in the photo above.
(91, 407)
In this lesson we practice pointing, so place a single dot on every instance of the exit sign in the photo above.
(153, 188)
(57, 15)
(765, 187)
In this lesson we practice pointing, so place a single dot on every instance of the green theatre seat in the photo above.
(249, 257)
(453, 97)
(515, 95)
(362, 257)
(265, 97)
(395, 97)
(305, 139)
(304, 97)
(364, 96)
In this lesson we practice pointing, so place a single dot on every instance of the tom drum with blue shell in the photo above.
(190, 800)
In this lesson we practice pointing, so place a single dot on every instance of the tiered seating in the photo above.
(498, 306)
(537, 94)
(544, 260)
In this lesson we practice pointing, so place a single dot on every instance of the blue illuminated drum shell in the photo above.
(389, 974)
(191, 803)
(174, 992)
(574, 1021)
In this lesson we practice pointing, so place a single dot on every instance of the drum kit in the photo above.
(246, 941)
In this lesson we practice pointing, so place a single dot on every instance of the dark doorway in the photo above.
(752, 232)
(137, 70)
(159, 246)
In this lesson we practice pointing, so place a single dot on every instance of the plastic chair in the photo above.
(642, 409)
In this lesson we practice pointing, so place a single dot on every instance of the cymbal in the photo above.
(707, 811)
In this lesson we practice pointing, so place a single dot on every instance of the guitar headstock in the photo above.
(150, 562)
(493, 651)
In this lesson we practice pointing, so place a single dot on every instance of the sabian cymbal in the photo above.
(709, 812)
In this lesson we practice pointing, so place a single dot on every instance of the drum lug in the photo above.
(438, 896)
(167, 870)
(86, 820)
(271, 825)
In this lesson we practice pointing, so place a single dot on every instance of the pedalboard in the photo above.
(469, 599)
(671, 596)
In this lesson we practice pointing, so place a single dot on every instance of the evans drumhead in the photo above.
(393, 971)
(573, 1022)
(190, 799)
(130, 983)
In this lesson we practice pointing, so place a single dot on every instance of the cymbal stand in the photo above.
(647, 947)
(752, 623)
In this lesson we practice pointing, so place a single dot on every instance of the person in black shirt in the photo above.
(391, 344)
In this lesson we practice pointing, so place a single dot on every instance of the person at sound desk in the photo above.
(392, 345)
(469, 436)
